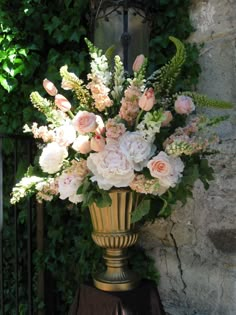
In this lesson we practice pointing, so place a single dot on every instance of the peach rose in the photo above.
(168, 118)
(97, 143)
(167, 169)
(49, 87)
(147, 100)
(82, 144)
(138, 62)
(85, 122)
(62, 103)
(184, 105)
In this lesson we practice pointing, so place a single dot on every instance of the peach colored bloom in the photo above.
(184, 105)
(97, 143)
(138, 62)
(129, 104)
(100, 93)
(62, 103)
(143, 185)
(85, 122)
(114, 130)
(82, 144)
(169, 118)
(49, 87)
(147, 100)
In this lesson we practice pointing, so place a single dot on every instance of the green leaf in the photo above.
(104, 200)
(141, 210)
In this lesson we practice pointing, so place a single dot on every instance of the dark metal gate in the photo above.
(16, 224)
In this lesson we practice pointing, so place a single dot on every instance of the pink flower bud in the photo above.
(147, 100)
(82, 144)
(168, 118)
(97, 143)
(100, 125)
(184, 105)
(62, 103)
(49, 87)
(138, 63)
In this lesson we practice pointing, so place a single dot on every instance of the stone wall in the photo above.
(195, 249)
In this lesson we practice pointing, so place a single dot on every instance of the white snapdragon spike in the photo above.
(119, 79)
(167, 169)
(110, 167)
(137, 149)
(100, 69)
(52, 158)
(26, 185)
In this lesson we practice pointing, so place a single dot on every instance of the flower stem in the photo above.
(138, 118)
(71, 114)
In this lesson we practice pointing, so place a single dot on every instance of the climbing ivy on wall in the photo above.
(37, 37)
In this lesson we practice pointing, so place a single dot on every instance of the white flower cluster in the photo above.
(100, 68)
(23, 188)
(151, 124)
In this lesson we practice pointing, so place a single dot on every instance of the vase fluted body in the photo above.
(113, 231)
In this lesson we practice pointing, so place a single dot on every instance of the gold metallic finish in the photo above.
(113, 231)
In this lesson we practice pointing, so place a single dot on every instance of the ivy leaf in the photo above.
(104, 200)
(142, 209)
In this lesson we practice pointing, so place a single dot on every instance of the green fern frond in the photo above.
(110, 53)
(163, 79)
(204, 101)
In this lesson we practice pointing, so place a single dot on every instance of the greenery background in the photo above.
(37, 37)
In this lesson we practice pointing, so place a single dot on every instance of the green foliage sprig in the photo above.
(205, 101)
(164, 78)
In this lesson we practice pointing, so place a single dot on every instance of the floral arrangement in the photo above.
(120, 131)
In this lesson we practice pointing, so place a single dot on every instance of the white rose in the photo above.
(110, 167)
(68, 184)
(166, 168)
(137, 149)
(52, 157)
(65, 135)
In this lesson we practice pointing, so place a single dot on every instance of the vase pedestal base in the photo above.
(117, 276)
(130, 283)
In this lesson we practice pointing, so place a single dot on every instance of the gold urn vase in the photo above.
(113, 231)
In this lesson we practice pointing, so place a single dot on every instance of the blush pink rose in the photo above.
(85, 122)
(62, 103)
(147, 100)
(97, 143)
(49, 87)
(138, 62)
(82, 144)
(168, 118)
(184, 105)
